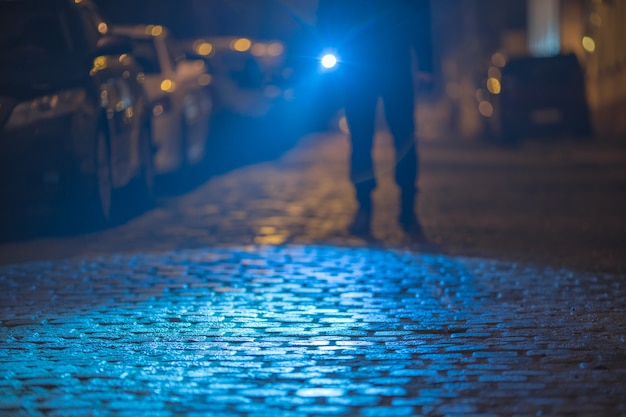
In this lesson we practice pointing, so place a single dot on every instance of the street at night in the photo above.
(245, 296)
(294, 208)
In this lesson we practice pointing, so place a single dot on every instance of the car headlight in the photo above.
(46, 107)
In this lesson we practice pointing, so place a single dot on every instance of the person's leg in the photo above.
(399, 107)
(360, 108)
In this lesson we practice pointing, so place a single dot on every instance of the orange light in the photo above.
(99, 63)
(494, 86)
(156, 30)
(241, 45)
(103, 27)
(168, 85)
(204, 48)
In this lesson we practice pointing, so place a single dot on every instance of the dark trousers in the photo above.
(364, 85)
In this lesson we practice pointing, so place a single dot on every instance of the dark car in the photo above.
(180, 97)
(74, 125)
(543, 96)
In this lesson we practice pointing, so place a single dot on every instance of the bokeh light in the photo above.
(498, 59)
(258, 49)
(168, 85)
(275, 49)
(494, 72)
(203, 48)
(494, 86)
(589, 44)
(156, 30)
(485, 108)
(241, 45)
(103, 28)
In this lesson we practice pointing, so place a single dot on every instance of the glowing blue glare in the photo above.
(329, 61)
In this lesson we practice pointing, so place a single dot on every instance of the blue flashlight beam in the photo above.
(329, 61)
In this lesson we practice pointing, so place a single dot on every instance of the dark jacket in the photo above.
(374, 31)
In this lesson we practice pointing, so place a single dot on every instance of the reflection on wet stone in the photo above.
(304, 331)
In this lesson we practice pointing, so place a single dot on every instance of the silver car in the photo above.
(179, 95)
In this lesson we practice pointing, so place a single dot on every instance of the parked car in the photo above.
(537, 96)
(74, 122)
(250, 75)
(179, 94)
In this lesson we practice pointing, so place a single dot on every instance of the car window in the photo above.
(553, 69)
(32, 35)
(146, 55)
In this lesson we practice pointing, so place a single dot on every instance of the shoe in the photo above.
(360, 225)
(412, 227)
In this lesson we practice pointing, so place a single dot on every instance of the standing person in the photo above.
(374, 40)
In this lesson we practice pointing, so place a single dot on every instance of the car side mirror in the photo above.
(113, 45)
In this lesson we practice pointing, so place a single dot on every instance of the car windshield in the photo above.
(32, 35)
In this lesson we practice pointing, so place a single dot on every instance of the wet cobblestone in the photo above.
(298, 330)
(189, 310)
(553, 203)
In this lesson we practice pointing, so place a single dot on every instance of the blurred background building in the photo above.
(595, 31)
(475, 35)
(604, 45)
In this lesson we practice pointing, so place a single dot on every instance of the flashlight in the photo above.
(329, 60)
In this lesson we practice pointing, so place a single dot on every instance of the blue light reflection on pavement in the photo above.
(307, 330)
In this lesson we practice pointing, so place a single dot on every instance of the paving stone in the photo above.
(216, 324)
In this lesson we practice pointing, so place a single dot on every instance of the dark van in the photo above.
(543, 96)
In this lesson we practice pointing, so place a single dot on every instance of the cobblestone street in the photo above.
(245, 296)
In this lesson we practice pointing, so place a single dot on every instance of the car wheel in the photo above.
(580, 126)
(104, 198)
(147, 165)
(185, 164)
(91, 202)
